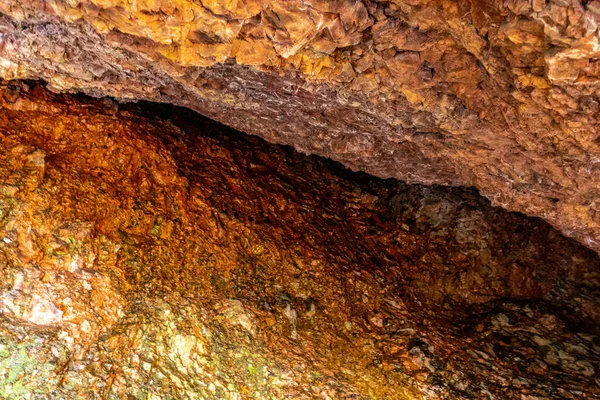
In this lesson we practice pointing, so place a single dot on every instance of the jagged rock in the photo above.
(149, 253)
(499, 95)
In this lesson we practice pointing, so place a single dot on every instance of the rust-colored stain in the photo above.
(148, 253)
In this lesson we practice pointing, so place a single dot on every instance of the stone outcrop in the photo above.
(149, 253)
(499, 95)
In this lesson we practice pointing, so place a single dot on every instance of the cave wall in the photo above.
(499, 95)
(150, 253)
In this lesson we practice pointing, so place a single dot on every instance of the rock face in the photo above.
(499, 95)
(147, 253)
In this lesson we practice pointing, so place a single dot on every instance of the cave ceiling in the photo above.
(497, 95)
(149, 253)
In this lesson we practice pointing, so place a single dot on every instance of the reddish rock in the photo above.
(148, 252)
(499, 95)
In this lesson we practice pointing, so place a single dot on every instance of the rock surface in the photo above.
(501, 95)
(148, 253)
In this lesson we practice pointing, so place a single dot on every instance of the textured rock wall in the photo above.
(150, 254)
(500, 95)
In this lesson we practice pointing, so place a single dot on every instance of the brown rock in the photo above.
(145, 249)
(503, 90)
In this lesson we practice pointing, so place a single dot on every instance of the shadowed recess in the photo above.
(148, 252)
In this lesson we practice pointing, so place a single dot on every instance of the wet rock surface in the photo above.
(147, 252)
(501, 95)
